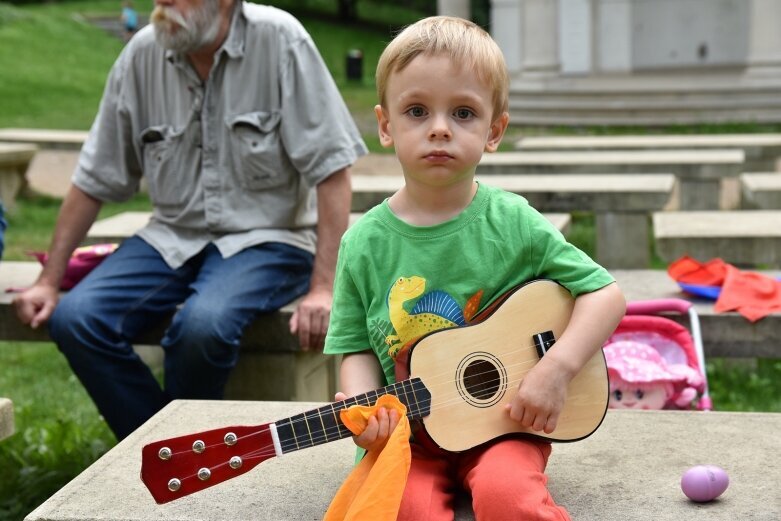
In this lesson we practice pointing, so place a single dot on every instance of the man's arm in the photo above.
(77, 213)
(310, 320)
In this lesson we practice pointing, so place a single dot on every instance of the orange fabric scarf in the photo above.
(751, 294)
(374, 488)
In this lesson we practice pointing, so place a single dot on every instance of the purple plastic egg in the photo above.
(703, 483)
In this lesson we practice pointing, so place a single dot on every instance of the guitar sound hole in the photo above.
(481, 379)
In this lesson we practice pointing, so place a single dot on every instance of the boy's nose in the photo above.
(439, 129)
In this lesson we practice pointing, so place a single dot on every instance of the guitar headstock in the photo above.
(180, 466)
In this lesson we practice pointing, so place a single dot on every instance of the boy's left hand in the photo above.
(540, 398)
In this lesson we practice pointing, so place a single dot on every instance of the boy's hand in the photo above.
(540, 398)
(378, 429)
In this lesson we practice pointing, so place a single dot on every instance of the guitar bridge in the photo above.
(543, 341)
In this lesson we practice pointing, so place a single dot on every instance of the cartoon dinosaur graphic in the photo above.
(436, 310)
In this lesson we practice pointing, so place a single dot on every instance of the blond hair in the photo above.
(467, 45)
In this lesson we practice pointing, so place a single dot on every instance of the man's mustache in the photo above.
(168, 15)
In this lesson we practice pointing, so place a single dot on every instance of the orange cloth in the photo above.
(751, 294)
(374, 488)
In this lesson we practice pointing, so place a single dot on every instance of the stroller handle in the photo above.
(652, 307)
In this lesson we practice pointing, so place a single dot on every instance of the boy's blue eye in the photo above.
(417, 112)
(464, 113)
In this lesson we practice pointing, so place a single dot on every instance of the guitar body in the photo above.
(473, 372)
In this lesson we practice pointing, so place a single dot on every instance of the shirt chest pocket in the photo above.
(162, 145)
(257, 153)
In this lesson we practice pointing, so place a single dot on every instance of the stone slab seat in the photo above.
(762, 150)
(122, 225)
(761, 190)
(6, 418)
(272, 365)
(46, 138)
(630, 468)
(727, 335)
(621, 203)
(744, 237)
(14, 160)
(699, 172)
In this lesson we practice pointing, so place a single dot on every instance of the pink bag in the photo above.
(82, 261)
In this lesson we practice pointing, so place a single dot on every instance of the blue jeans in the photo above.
(213, 299)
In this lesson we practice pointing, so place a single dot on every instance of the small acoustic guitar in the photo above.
(460, 381)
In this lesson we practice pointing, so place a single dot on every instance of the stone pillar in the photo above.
(576, 36)
(460, 8)
(540, 37)
(613, 33)
(506, 30)
(764, 47)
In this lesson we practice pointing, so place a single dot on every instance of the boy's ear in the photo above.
(383, 126)
(496, 132)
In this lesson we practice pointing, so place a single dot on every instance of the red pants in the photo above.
(506, 480)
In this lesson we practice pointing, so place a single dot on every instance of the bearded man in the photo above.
(227, 112)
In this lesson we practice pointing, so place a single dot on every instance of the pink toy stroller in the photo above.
(654, 362)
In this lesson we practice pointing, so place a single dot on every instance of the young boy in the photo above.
(443, 91)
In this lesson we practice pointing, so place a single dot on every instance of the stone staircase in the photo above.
(646, 99)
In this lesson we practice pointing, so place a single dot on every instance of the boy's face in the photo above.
(440, 120)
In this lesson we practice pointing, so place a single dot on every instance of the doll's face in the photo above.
(625, 395)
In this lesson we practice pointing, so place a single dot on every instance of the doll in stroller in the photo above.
(654, 362)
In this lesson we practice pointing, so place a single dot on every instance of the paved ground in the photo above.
(50, 170)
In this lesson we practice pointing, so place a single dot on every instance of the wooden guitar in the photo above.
(460, 380)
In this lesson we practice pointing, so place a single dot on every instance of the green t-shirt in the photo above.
(395, 282)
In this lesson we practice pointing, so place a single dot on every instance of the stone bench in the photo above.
(761, 190)
(630, 468)
(6, 418)
(726, 335)
(699, 172)
(744, 237)
(272, 365)
(621, 204)
(762, 150)
(46, 138)
(14, 160)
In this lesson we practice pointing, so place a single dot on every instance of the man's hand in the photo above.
(310, 319)
(378, 428)
(35, 305)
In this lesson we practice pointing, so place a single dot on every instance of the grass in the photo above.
(58, 85)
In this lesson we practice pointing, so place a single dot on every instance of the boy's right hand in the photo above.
(378, 429)
(35, 305)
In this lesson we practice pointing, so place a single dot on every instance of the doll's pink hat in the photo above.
(636, 362)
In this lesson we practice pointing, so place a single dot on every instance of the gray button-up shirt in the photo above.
(234, 160)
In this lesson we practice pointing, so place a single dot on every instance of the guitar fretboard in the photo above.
(322, 425)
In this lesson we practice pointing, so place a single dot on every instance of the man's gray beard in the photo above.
(198, 29)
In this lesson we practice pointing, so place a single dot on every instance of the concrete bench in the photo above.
(761, 190)
(621, 203)
(272, 366)
(744, 237)
(630, 468)
(122, 225)
(46, 138)
(6, 418)
(699, 172)
(762, 150)
(727, 335)
(14, 160)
